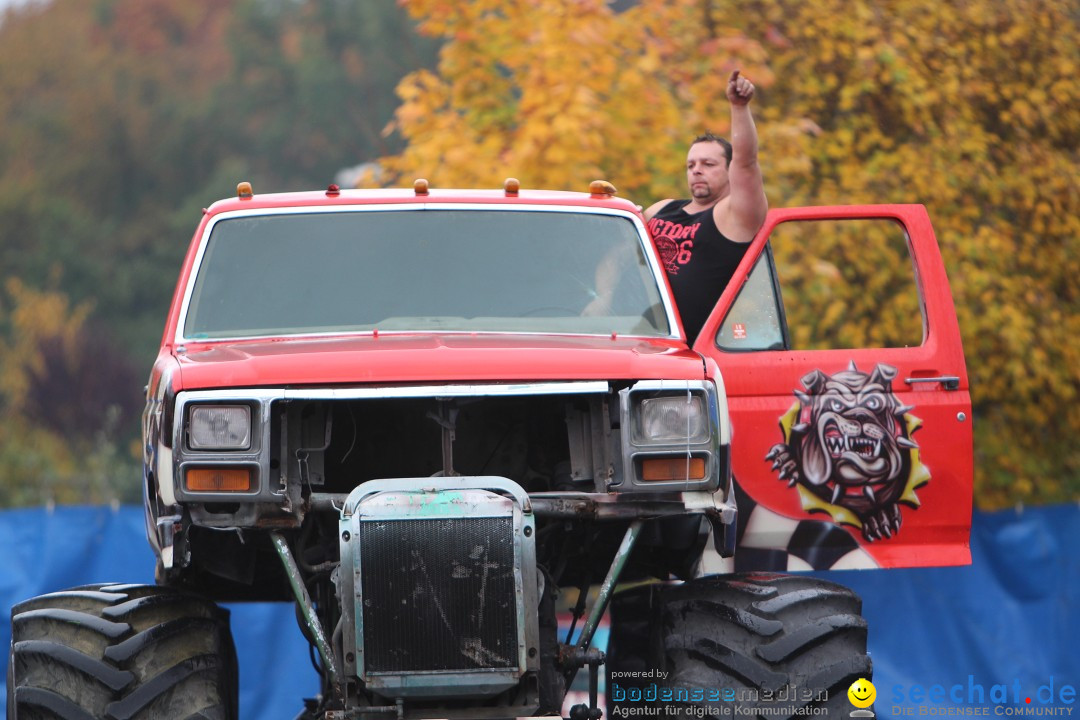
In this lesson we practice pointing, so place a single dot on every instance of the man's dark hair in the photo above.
(709, 137)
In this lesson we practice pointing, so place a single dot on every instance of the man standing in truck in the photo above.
(701, 240)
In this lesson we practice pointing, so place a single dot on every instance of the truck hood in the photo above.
(432, 359)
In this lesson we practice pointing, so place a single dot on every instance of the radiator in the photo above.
(443, 586)
(438, 594)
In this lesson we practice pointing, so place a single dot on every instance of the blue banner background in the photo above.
(1012, 618)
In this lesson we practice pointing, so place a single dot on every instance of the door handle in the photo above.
(949, 382)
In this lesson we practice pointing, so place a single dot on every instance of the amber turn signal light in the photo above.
(219, 479)
(681, 469)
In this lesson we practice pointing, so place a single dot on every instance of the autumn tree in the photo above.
(972, 108)
(562, 93)
(65, 393)
(121, 119)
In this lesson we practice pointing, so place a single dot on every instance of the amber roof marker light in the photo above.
(420, 187)
(243, 191)
(512, 187)
(601, 189)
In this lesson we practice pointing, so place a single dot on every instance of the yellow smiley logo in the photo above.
(862, 693)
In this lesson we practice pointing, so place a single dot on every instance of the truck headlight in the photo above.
(670, 436)
(672, 419)
(219, 427)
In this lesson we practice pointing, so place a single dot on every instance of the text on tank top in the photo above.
(698, 258)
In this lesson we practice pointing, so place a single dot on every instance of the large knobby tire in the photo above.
(784, 644)
(630, 640)
(121, 651)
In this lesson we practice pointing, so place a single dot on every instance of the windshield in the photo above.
(427, 270)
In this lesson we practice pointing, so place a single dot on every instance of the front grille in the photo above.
(438, 594)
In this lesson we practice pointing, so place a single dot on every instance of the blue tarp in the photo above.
(1011, 618)
(1008, 625)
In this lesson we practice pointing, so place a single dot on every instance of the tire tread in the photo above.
(758, 632)
(80, 653)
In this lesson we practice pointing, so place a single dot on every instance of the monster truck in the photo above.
(406, 412)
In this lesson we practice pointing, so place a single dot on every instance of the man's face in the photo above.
(707, 172)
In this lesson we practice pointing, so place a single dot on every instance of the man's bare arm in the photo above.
(655, 208)
(742, 213)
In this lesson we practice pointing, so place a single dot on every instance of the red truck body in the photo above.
(760, 385)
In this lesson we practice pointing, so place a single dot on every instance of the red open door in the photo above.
(841, 357)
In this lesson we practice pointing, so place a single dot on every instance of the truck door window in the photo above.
(755, 321)
(843, 284)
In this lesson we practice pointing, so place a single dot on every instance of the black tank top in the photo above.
(699, 260)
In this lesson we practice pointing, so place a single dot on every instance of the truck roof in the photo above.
(598, 197)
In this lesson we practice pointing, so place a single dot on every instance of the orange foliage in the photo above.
(561, 93)
(34, 316)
